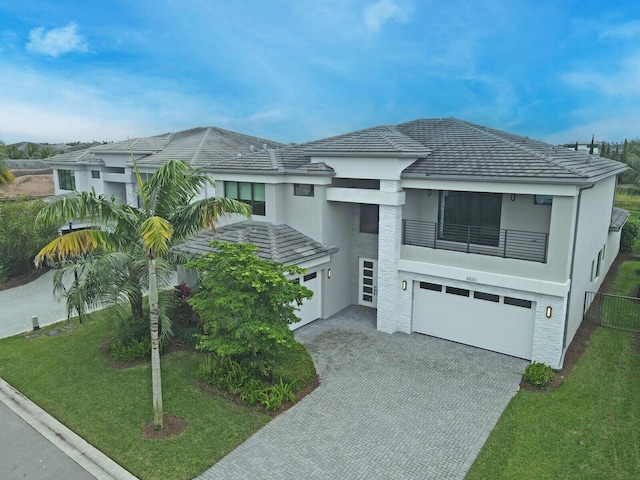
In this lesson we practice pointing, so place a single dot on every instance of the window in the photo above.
(463, 292)
(250, 193)
(310, 276)
(369, 218)
(95, 173)
(543, 199)
(490, 297)
(517, 302)
(434, 287)
(66, 180)
(593, 269)
(472, 217)
(303, 190)
(598, 262)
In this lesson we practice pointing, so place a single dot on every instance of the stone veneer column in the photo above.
(389, 243)
(132, 197)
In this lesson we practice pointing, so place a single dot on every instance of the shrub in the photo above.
(628, 236)
(132, 350)
(538, 374)
(132, 339)
(294, 366)
(236, 378)
(20, 239)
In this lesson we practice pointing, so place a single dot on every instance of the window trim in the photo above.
(303, 190)
(66, 178)
(258, 207)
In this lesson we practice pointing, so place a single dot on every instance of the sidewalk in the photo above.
(19, 304)
(35, 446)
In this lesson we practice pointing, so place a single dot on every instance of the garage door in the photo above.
(310, 310)
(494, 322)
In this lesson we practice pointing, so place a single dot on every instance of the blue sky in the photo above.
(300, 70)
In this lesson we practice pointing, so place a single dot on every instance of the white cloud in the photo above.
(56, 41)
(625, 31)
(622, 81)
(378, 13)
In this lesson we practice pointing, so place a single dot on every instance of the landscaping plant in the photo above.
(538, 374)
(170, 213)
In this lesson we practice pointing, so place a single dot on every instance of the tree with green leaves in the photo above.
(20, 239)
(170, 213)
(246, 303)
(6, 177)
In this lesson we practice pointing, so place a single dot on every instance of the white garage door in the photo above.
(493, 322)
(310, 310)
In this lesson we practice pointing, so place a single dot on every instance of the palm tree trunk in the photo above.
(154, 314)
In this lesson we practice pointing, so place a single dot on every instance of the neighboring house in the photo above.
(445, 227)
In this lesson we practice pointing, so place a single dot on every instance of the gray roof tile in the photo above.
(443, 148)
(279, 243)
(618, 219)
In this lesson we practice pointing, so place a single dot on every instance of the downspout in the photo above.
(573, 260)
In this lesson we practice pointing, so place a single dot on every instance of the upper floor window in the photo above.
(66, 180)
(369, 218)
(95, 173)
(303, 190)
(470, 217)
(543, 199)
(250, 193)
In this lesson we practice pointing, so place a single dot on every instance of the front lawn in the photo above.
(585, 429)
(69, 377)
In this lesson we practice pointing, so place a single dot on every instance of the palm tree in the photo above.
(169, 214)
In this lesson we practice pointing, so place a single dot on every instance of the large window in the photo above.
(369, 218)
(66, 180)
(472, 217)
(250, 193)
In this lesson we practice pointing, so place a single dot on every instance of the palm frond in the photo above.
(205, 213)
(156, 233)
(71, 245)
(175, 184)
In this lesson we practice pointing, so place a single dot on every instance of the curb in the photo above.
(79, 450)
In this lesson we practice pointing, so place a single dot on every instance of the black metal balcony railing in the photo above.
(531, 246)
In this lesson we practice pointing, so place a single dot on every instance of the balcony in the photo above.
(520, 245)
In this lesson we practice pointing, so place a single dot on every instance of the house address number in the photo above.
(472, 279)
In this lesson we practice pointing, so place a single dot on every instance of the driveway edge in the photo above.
(79, 450)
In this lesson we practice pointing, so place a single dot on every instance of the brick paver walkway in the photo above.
(388, 406)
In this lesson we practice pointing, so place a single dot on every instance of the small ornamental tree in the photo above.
(246, 304)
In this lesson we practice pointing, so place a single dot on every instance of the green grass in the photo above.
(628, 198)
(69, 378)
(585, 429)
(619, 312)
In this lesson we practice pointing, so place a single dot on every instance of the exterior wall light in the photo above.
(404, 284)
(548, 312)
(429, 192)
(513, 197)
(328, 273)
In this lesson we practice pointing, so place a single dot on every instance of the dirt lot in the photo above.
(40, 185)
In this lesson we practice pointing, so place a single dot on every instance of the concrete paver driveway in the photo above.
(388, 406)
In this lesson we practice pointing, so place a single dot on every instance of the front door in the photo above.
(368, 284)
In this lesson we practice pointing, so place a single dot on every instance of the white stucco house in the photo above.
(447, 228)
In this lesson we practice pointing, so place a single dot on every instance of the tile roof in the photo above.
(466, 150)
(443, 148)
(201, 147)
(618, 219)
(279, 243)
